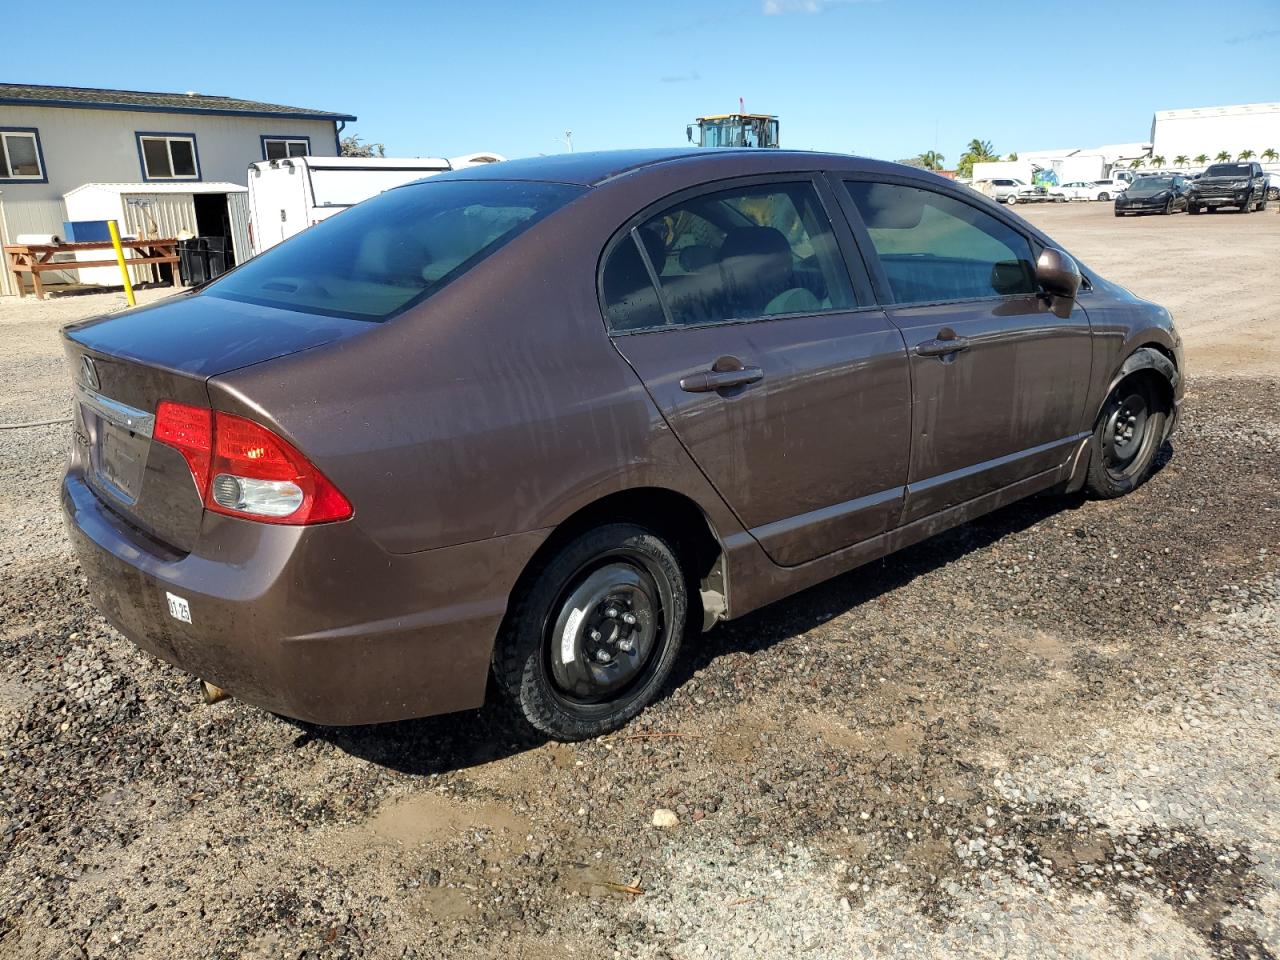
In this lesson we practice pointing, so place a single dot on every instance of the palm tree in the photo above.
(981, 150)
(976, 152)
(1136, 163)
(1246, 155)
(1270, 154)
(1157, 161)
(1012, 157)
(931, 160)
(1223, 156)
(1202, 158)
(1181, 160)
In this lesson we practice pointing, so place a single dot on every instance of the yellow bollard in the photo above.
(124, 270)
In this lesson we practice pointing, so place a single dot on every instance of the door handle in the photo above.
(941, 348)
(713, 379)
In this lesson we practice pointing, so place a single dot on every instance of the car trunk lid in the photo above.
(122, 368)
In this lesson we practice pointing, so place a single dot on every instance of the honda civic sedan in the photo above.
(545, 420)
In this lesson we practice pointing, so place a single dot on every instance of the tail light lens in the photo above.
(242, 469)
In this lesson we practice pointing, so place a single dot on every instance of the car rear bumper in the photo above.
(316, 623)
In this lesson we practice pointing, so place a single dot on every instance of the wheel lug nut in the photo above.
(611, 613)
(627, 645)
(629, 619)
(595, 635)
(603, 656)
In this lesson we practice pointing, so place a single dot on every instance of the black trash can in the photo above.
(193, 260)
(218, 262)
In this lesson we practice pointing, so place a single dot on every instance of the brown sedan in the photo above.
(549, 417)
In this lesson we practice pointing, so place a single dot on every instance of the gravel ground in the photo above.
(1051, 733)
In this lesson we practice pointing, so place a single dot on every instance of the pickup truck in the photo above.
(1242, 185)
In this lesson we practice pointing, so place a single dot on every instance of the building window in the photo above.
(20, 155)
(280, 148)
(168, 156)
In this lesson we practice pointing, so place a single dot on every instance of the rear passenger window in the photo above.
(743, 254)
(631, 302)
(933, 247)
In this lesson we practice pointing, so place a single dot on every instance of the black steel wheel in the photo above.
(1168, 207)
(1126, 439)
(592, 636)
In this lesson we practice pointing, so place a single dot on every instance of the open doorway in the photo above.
(213, 224)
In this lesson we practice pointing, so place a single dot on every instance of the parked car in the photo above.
(1112, 187)
(1009, 190)
(1241, 185)
(1086, 190)
(540, 420)
(1273, 186)
(1154, 195)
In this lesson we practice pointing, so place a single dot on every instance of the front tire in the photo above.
(592, 636)
(1126, 439)
(1104, 196)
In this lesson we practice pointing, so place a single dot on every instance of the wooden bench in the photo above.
(35, 259)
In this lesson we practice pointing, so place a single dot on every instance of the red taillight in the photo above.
(189, 430)
(244, 470)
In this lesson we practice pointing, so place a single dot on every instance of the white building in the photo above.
(1212, 130)
(54, 140)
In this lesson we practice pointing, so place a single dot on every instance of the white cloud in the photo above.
(776, 8)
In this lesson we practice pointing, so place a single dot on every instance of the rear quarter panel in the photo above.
(496, 406)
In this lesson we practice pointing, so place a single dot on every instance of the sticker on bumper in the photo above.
(179, 609)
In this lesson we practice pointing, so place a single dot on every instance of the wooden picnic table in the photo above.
(35, 259)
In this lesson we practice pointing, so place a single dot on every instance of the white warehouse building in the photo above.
(1212, 130)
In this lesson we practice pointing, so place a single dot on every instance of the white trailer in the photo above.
(1022, 170)
(287, 196)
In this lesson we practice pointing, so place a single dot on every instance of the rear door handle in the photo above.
(709, 380)
(940, 348)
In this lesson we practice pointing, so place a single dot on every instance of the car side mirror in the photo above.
(1059, 277)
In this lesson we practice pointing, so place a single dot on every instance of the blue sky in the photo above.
(885, 78)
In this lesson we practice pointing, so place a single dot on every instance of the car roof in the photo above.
(593, 168)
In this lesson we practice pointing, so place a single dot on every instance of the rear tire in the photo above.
(1193, 208)
(1104, 196)
(591, 638)
(1126, 439)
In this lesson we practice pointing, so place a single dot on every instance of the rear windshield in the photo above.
(384, 255)
(1229, 170)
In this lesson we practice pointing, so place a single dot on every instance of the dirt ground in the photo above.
(1054, 732)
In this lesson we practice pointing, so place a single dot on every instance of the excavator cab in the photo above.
(735, 130)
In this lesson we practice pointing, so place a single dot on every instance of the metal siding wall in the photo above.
(154, 215)
(99, 146)
(6, 284)
(238, 208)
(35, 216)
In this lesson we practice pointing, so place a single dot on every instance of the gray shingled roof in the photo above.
(91, 97)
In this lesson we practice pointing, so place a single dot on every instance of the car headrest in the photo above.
(754, 242)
